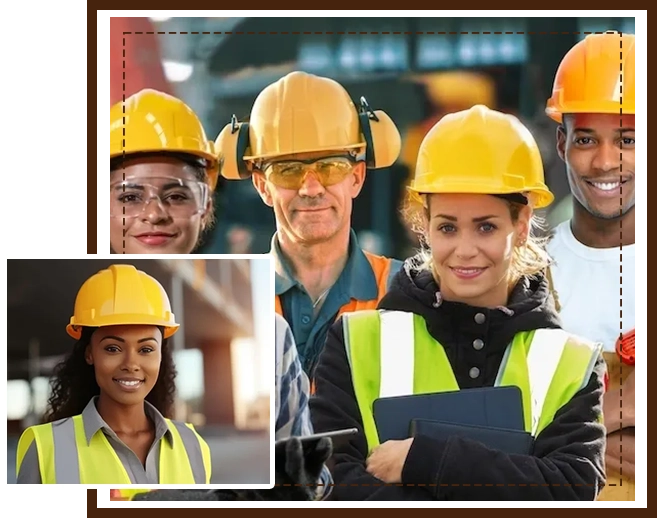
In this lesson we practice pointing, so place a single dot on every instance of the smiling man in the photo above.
(307, 147)
(593, 102)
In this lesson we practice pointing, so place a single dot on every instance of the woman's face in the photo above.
(173, 206)
(126, 361)
(472, 237)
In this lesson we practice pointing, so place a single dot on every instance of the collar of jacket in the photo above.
(357, 278)
(93, 422)
(530, 307)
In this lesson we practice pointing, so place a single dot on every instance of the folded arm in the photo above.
(566, 464)
(334, 407)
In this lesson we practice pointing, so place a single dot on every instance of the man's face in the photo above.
(598, 150)
(314, 212)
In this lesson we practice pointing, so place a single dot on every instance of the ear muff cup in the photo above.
(381, 137)
(231, 145)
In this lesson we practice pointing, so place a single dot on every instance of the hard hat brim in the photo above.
(74, 329)
(252, 158)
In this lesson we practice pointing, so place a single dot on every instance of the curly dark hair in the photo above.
(74, 382)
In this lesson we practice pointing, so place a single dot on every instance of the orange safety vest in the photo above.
(381, 268)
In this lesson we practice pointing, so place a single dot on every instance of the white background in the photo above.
(40, 146)
(40, 129)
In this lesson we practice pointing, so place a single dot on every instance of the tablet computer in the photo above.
(497, 407)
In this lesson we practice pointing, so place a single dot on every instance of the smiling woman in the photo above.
(472, 312)
(107, 420)
(162, 174)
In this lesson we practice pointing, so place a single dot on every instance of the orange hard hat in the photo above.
(595, 76)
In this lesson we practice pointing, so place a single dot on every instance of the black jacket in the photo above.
(568, 458)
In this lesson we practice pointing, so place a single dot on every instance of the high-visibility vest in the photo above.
(384, 270)
(618, 487)
(65, 457)
(391, 353)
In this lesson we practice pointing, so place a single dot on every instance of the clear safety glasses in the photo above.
(177, 197)
(290, 174)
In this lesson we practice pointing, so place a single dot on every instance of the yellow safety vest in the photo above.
(65, 457)
(391, 353)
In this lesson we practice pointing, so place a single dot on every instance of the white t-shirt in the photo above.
(588, 285)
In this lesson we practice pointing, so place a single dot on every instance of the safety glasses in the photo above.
(179, 198)
(290, 174)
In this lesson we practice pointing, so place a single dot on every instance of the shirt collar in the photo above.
(357, 277)
(93, 422)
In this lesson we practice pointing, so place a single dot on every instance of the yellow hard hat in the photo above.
(303, 113)
(121, 295)
(595, 76)
(152, 122)
(481, 151)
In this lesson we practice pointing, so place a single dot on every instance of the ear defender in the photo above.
(381, 137)
(231, 146)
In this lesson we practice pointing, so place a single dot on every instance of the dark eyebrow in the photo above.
(475, 220)
(123, 341)
(112, 338)
(591, 131)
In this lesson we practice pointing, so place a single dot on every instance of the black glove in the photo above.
(298, 465)
(297, 468)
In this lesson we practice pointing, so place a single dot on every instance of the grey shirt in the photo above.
(29, 470)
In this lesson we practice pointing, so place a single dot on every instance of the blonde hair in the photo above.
(529, 259)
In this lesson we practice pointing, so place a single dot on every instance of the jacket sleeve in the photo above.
(567, 462)
(334, 407)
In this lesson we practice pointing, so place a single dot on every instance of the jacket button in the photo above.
(478, 344)
(474, 372)
(305, 319)
(480, 318)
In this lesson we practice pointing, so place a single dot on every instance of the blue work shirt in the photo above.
(357, 281)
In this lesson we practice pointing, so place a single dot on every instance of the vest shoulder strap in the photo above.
(388, 335)
(190, 461)
(586, 348)
(559, 365)
(357, 327)
(384, 269)
(395, 266)
(397, 346)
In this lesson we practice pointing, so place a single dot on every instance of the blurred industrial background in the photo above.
(223, 352)
(415, 75)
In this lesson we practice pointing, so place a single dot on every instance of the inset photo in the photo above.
(150, 371)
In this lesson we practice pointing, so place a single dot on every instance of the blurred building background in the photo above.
(415, 69)
(223, 352)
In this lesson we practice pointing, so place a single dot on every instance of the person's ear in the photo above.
(88, 357)
(561, 142)
(263, 187)
(358, 179)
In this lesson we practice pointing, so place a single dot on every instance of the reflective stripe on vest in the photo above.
(66, 458)
(391, 353)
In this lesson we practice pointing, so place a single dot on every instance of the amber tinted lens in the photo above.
(290, 174)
